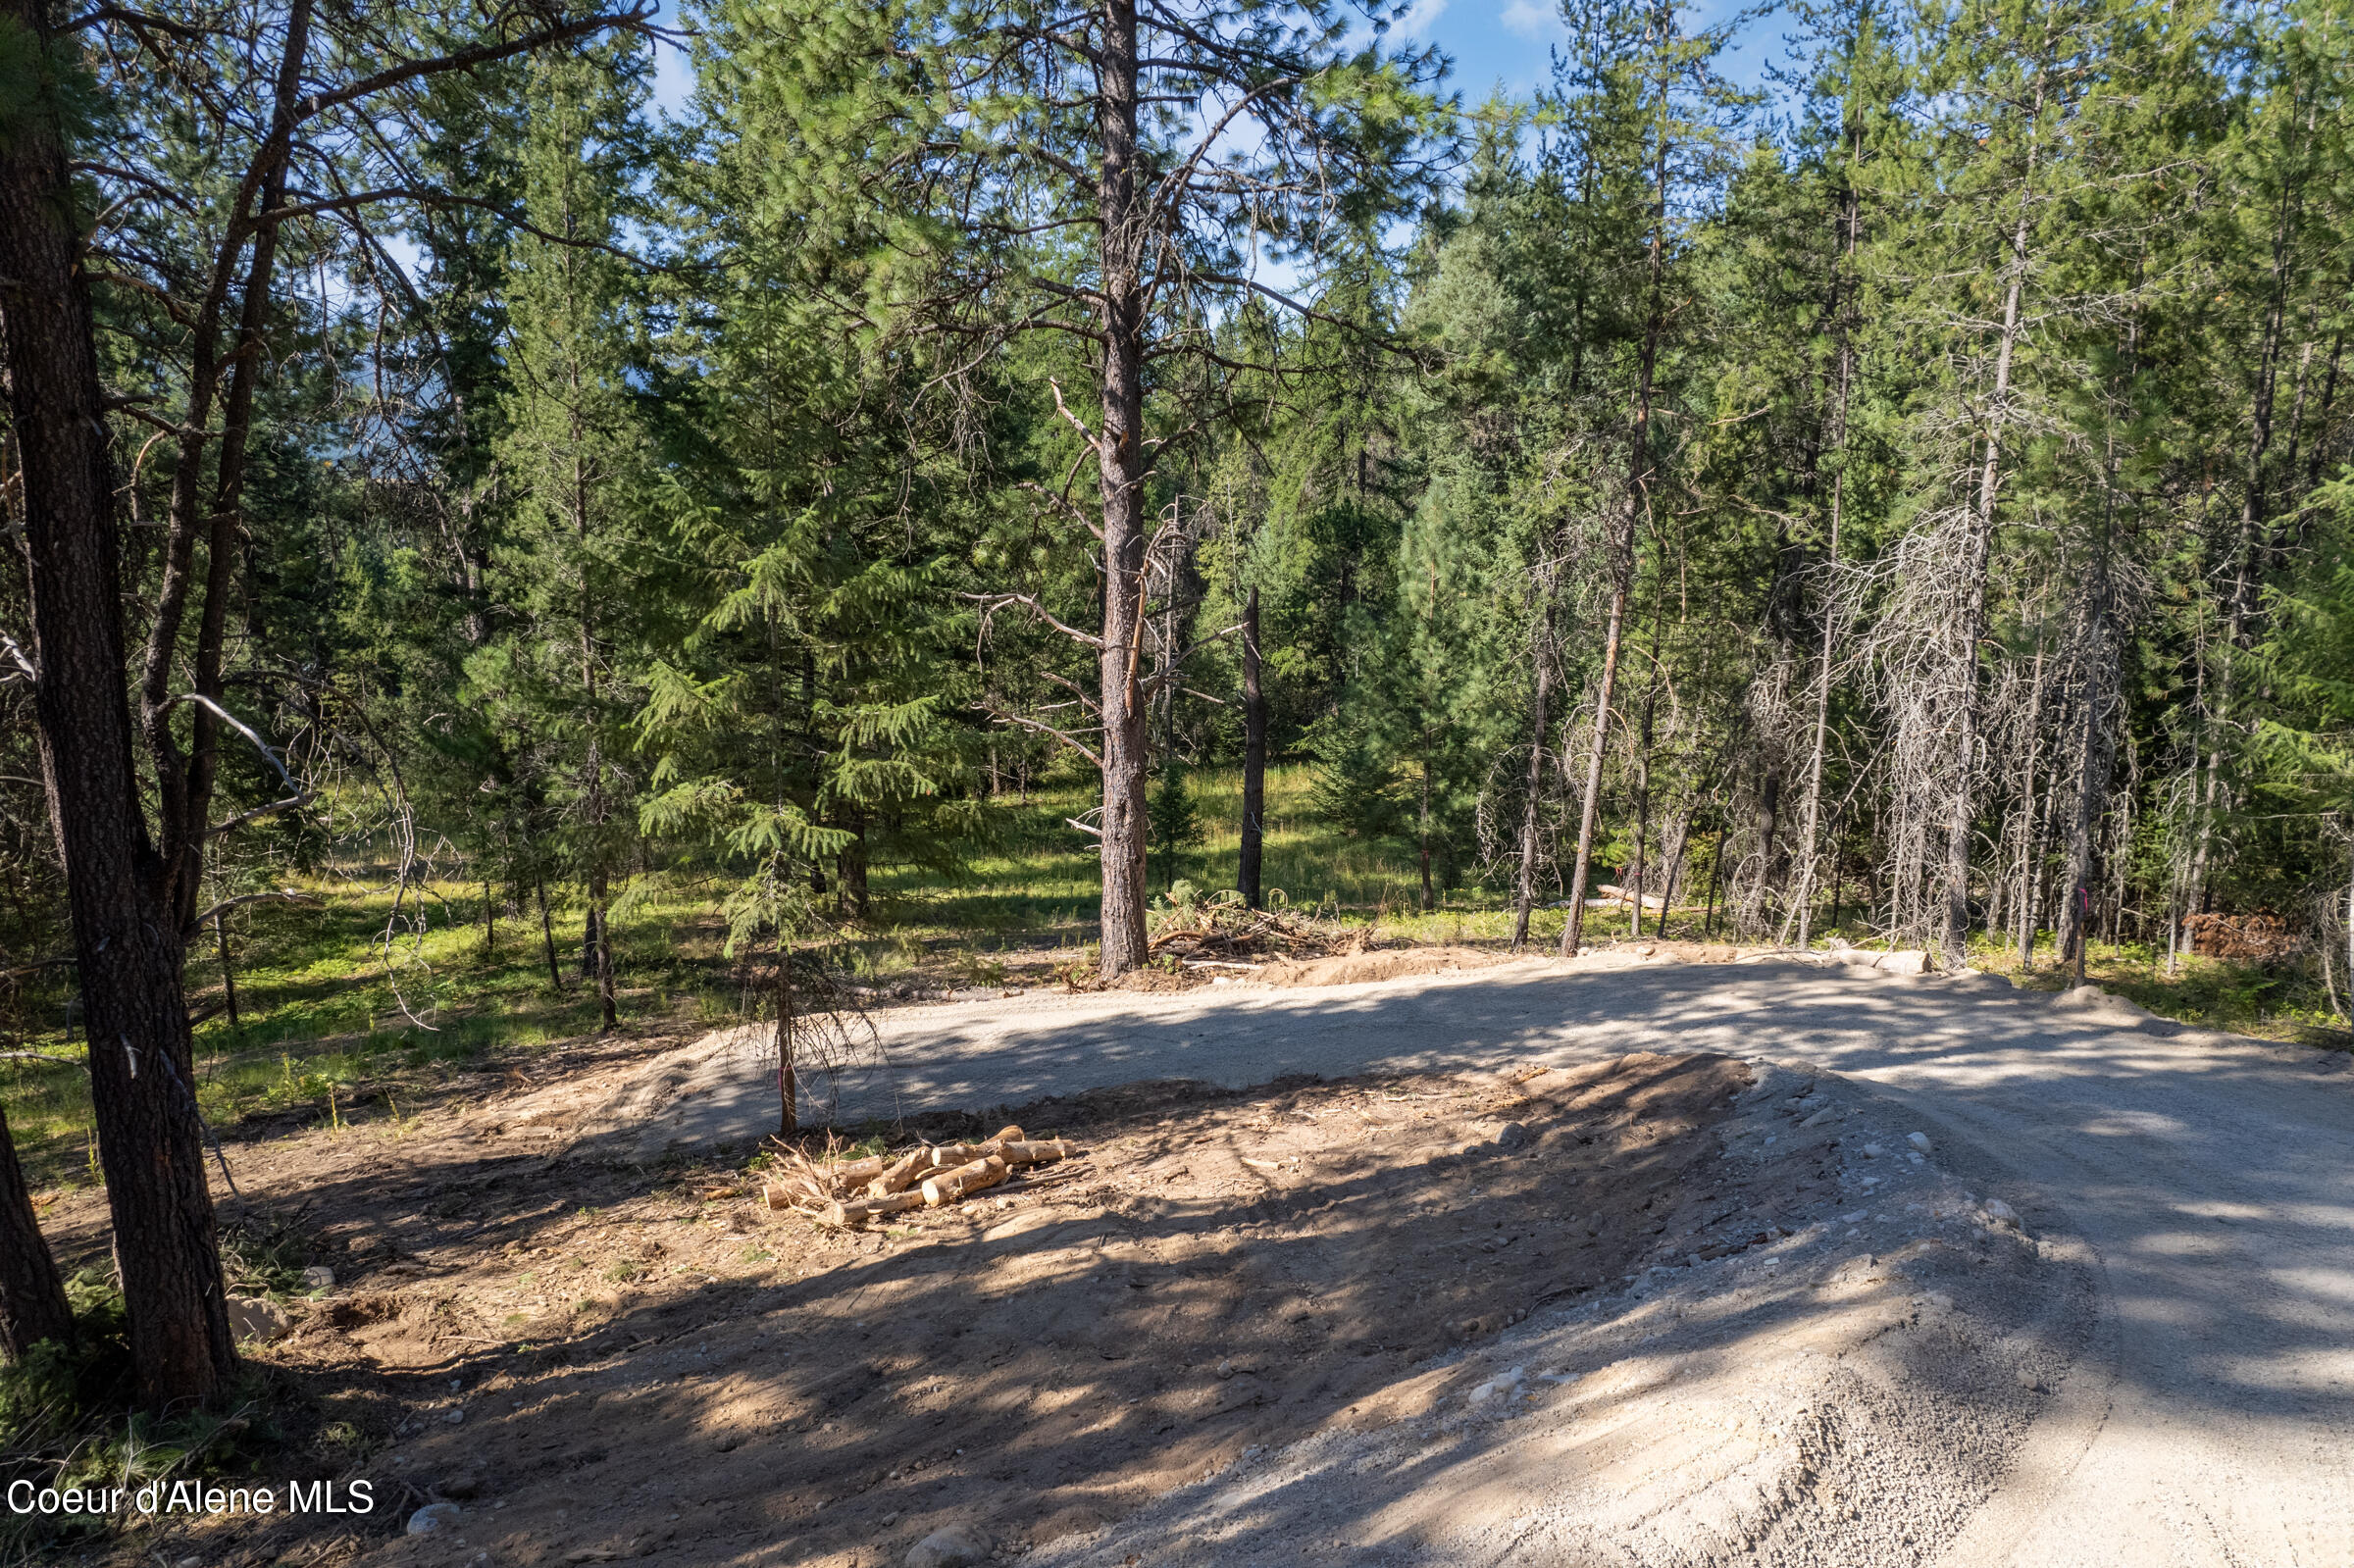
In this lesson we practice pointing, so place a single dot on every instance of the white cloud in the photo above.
(1418, 22)
(1540, 24)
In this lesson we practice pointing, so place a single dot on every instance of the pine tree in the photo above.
(562, 676)
(1053, 173)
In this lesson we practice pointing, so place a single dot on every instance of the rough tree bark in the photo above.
(1255, 763)
(1122, 466)
(32, 1297)
(789, 1078)
(126, 925)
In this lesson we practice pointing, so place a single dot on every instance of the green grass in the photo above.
(2271, 1002)
(336, 1027)
(1041, 877)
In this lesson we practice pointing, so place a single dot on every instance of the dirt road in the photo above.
(2210, 1176)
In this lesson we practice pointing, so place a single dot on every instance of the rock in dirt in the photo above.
(1919, 1141)
(1826, 1114)
(431, 1517)
(250, 1317)
(2002, 1213)
(1511, 1136)
(957, 1546)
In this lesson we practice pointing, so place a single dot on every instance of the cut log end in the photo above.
(965, 1180)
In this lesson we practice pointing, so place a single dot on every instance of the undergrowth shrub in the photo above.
(67, 1421)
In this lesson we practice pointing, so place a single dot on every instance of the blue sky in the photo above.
(1490, 41)
(1510, 41)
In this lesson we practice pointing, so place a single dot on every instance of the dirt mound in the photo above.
(1787, 1397)
(633, 1368)
(2102, 1006)
(1387, 963)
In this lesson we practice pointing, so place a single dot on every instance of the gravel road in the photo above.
(2213, 1177)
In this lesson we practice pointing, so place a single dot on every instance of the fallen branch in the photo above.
(286, 895)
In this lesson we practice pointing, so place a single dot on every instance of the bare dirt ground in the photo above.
(1665, 1303)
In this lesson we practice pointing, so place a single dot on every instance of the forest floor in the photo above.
(599, 1362)
(1620, 1250)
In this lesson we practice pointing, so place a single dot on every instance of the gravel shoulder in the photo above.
(2205, 1176)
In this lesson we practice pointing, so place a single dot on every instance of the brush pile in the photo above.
(2258, 939)
(844, 1195)
(1231, 937)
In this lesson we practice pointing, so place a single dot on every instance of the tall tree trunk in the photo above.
(1541, 654)
(2247, 573)
(1122, 466)
(1971, 626)
(185, 781)
(1835, 441)
(2030, 832)
(1671, 855)
(229, 976)
(126, 925)
(1422, 829)
(32, 1297)
(547, 935)
(2096, 662)
(850, 867)
(596, 940)
(788, 1076)
(1651, 696)
(1254, 762)
(603, 944)
(1623, 554)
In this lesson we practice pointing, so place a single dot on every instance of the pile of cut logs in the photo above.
(846, 1193)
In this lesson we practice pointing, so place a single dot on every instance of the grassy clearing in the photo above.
(339, 1024)
(1042, 879)
(2271, 1003)
(340, 1021)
